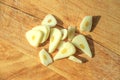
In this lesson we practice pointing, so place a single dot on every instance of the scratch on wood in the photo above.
(19, 10)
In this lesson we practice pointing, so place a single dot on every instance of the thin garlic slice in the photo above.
(65, 33)
(34, 37)
(73, 58)
(55, 37)
(49, 20)
(45, 30)
(65, 51)
(60, 45)
(86, 24)
(80, 42)
(71, 32)
(45, 57)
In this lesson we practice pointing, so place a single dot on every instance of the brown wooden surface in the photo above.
(20, 61)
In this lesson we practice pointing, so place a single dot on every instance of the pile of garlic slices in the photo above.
(66, 49)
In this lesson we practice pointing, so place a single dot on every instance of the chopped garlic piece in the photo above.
(65, 51)
(80, 42)
(71, 32)
(55, 37)
(60, 45)
(45, 57)
(86, 24)
(73, 58)
(45, 30)
(49, 20)
(65, 33)
(34, 37)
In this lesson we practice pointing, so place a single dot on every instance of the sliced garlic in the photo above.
(49, 20)
(45, 30)
(65, 33)
(45, 57)
(60, 45)
(80, 42)
(86, 23)
(71, 32)
(73, 58)
(55, 37)
(34, 37)
(67, 50)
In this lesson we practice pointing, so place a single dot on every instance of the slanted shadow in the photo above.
(59, 21)
(84, 60)
(43, 44)
(95, 21)
(77, 55)
(91, 44)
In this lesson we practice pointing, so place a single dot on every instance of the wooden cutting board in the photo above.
(20, 61)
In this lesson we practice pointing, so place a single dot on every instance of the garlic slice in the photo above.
(55, 37)
(66, 50)
(80, 42)
(71, 32)
(45, 30)
(49, 20)
(34, 37)
(65, 33)
(60, 45)
(73, 58)
(86, 24)
(45, 57)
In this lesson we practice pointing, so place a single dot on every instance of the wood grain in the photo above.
(14, 63)
(20, 61)
(71, 13)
